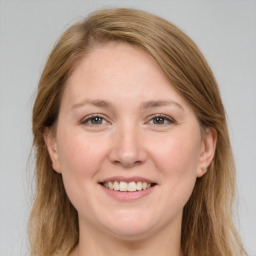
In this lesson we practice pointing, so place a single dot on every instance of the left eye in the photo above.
(161, 120)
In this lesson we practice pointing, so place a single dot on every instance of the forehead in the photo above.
(119, 71)
(112, 58)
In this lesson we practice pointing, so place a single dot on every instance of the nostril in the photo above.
(127, 156)
(127, 164)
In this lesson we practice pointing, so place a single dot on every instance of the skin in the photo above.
(127, 90)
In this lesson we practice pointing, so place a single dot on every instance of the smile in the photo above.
(131, 186)
(127, 188)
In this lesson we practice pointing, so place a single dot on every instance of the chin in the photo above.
(131, 228)
(131, 234)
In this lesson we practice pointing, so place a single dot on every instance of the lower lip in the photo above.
(127, 195)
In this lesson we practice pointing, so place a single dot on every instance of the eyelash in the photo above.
(166, 118)
(88, 120)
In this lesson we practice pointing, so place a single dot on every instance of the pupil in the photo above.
(97, 120)
(159, 120)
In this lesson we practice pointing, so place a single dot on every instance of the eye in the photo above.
(161, 120)
(94, 120)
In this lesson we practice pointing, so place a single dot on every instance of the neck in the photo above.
(164, 243)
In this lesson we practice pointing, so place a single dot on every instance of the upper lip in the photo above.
(127, 179)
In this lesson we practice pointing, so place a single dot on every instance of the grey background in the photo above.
(224, 30)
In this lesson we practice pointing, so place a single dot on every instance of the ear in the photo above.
(51, 144)
(207, 150)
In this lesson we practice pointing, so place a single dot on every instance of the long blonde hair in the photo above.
(207, 225)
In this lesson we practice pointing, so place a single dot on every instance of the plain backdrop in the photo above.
(225, 31)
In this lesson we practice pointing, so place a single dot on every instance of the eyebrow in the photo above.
(144, 105)
(160, 103)
(97, 103)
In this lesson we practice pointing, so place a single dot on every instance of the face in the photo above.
(127, 144)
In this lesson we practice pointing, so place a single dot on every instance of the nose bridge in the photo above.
(127, 148)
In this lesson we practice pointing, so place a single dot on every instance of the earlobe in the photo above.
(51, 144)
(207, 151)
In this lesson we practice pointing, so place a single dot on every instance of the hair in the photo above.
(207, 224)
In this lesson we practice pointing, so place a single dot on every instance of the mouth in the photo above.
(123, 186)
(126, 189)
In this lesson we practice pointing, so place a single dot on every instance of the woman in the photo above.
(132, 149)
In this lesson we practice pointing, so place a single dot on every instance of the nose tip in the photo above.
(127, 150)
(127, 160)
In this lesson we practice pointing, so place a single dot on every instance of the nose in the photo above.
(127, 147)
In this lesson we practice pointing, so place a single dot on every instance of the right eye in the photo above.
(94, 120)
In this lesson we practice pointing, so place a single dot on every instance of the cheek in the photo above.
(80, 159)
(79, 155)
(177, 161)
(178, 154)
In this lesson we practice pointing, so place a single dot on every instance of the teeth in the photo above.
(127, 186)
(144, 185)
(123, 186)
(139, 186)
(132, 186)
(116, 185)
(110, 185)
